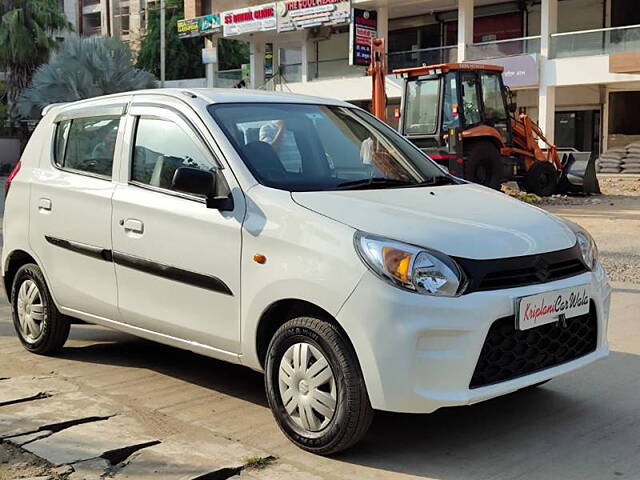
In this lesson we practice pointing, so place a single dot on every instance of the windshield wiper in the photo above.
(373, 182)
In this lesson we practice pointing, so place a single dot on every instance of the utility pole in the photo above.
(162, 42)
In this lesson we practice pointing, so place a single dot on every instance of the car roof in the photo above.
(209, 95)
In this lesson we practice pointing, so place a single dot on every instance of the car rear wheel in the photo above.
(315, 387)
(40, 326)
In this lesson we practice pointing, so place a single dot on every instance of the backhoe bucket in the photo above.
(578, 174)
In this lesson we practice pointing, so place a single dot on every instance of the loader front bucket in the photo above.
(578, 174)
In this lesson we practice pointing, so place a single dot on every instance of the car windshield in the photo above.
(301, 147)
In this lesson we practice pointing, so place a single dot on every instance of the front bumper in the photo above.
(418, 353)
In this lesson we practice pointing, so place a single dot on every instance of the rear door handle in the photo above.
(44, 204)
(131, 225)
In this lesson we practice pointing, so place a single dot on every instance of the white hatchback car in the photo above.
(301, 237)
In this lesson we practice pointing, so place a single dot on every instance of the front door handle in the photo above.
(44, 204)
(131, 225)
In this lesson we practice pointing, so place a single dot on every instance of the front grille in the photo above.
(521, 271)
(508, 353)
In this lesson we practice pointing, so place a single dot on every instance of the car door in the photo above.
(70, 209)
(177, 262)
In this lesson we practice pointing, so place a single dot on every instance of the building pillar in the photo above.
(308, 55)
(256, 62)
(547, 111)
(465, 27)
(383, 26)
(548, 26)
(211, 69)
(547, 100)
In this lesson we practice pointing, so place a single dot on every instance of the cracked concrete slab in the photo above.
(28, 417)
(93, 469)
(89, 440)
(277, 472)
(182, 457)
(29, 437)
(23, 388)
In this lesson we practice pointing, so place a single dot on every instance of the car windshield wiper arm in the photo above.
(439, 180)
(373, 182)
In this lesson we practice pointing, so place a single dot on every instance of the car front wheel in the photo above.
(315, 387)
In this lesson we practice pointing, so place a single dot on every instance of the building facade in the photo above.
(125, 19)
(573, 65)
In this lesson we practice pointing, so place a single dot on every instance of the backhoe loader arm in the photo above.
(377, 70)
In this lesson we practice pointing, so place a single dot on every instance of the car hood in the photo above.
(466, 220)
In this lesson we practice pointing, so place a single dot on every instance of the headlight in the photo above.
(409, 267)
(588, 247)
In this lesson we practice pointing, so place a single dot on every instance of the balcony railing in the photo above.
(503, 48)
(601, 41)
(425, 56)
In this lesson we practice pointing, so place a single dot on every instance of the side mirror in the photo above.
(201, 183)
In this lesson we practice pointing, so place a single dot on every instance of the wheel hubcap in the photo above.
(31, 312)
(307, 387)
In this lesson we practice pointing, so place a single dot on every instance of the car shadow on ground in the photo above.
(543, 431)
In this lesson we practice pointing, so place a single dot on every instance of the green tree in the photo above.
(83, 68)
(183, 55)
(26, 40)
(232, 53)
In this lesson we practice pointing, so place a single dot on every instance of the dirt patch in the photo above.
(16, 463)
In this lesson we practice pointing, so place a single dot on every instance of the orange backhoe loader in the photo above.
(463, 117)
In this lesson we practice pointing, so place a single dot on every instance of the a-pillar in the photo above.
(256, 62)
(465, 27)
(211, 69)
(547, 99)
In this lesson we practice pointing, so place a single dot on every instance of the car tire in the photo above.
(484, 165)
(42, 329)
(542, 179)
(322, 418)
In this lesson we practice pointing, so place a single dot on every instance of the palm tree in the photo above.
(26, 41)
(83, 68)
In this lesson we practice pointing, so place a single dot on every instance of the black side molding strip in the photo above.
(82, 248)
(172, 273)
(199, 280)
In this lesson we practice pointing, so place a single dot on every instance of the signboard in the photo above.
(363, 28)
(199, 26)
(209, 56)
(260, 18)
(301, 14)
(519, 70)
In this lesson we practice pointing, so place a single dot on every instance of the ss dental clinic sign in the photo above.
(260, 18)
(301, 14)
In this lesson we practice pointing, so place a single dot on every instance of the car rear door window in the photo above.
(87, 145)
(161, 147)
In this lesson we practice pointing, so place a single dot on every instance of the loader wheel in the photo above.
(542, 179)
(484, 165)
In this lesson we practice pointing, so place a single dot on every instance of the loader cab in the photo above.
(466, 97)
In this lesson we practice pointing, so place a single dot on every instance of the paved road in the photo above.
(585, 425)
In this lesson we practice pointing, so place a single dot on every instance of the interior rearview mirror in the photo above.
(202, 183)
